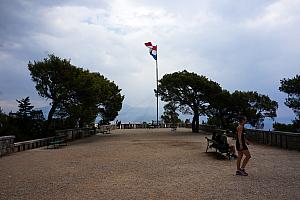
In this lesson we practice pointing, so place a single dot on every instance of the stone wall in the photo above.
(149, 125)
(73, 134)
(6, 145)
(285, 140)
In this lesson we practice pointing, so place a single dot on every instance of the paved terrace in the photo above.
(147, 164)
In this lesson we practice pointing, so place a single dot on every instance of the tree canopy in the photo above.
(25, 107)
(292, 88)
(170, 115)
(197, 95)
(77, 95)
(191, 92)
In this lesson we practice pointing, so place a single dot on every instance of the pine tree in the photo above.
(25, 108)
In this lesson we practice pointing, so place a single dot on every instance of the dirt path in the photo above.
(147, 164)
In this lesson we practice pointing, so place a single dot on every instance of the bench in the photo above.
(173, 128)
(150, 126)
(58, 141)
(104, 130)
(220, 149)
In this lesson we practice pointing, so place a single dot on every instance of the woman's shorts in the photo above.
(238, 146)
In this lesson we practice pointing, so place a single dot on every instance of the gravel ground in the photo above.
(147, 164)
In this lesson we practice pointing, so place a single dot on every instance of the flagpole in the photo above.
(156, 87)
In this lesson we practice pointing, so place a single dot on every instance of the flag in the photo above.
(152, 50)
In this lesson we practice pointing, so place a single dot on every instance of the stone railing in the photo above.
(77, 133)
(6, 145)
(280, 139)
(31, 144)
(145, 125)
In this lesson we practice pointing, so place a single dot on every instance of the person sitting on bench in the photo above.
(224, 141)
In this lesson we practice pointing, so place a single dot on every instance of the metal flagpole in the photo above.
(156, 87)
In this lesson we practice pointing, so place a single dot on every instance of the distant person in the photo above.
(119, 124)
(242, 148)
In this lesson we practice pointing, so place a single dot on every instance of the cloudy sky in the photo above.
(243, 45)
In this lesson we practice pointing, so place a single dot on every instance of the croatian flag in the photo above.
(152, 50)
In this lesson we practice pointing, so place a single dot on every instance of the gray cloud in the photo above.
(242, 45)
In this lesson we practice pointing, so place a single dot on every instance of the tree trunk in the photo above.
(80, 123)
(223, 122)
(195, 123)
(50, 115)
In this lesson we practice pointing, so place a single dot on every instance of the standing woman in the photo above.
(242, 148)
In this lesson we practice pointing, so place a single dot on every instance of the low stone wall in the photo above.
(6, 145)
(32, 144)
(279, 139)
(73, 134)
(145, 125)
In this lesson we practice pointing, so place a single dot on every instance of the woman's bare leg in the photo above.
(238, 161)
(248, 156)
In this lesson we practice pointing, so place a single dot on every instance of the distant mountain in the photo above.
(137, 114)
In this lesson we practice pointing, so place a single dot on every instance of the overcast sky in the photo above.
(243, 45)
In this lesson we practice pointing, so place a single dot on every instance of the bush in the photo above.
(285, 127)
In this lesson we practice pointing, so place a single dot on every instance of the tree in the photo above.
(191, 92)
(77, 95)
(170, 115)
(254, 106)
(219, 110)
(93, 95)
(52, 76)
(112, 102)
(25, 108)
(292, 88)
(285, 127)
(226, 107)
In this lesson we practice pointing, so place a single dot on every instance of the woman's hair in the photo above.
(241, 118)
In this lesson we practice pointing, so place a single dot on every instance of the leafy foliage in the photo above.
(170, 115)
(226, 107)
(254, 106)
(78, 96)
(285, 127)
(52, 77)
(292, 88)
(26, 124)
(192, 93)
(195, 94)
(25, 108)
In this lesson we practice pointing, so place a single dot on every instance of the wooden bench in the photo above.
(107, 131)
(104, 130)
(173, 128)
(150, 126)
(220, 149)
(59, 140)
